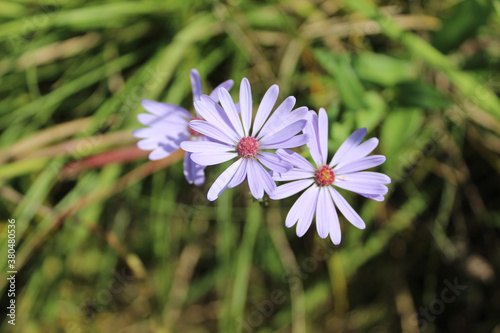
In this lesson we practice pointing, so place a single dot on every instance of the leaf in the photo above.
(383, 69)
(348, 84)
(463, 22)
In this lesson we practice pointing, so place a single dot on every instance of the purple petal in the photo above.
(210, 130)
(265, 107)
(265, 178)
(368, 188)
(313, 144)
(158, 154)
(222, 181)
(164, 109)
(295, 159)
(273, 162)
(195, 84)
(352, 142)
(240, 174)
(254, 181)
(359, 152)
(228, 105)
(212, 158)
(335, 233)
(214, 95)
(285, 120)
(323, 134)
(366, 176)
(278, 116)
(284, 134)
(289, 189)
(299, 206)
(346, 209)
(362, 164)
(246, 105)
(375, 197)
(193, 172)
(209, 111)
(325, 210)
(148, 144)
(308, 211)
(296, 141)
(293, 174)
(205, 147)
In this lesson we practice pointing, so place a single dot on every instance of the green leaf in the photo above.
(383, 69)
(463, 22)
(348, 84)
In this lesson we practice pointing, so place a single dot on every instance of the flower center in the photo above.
(247, 147)
(192, 131)
(324, 176)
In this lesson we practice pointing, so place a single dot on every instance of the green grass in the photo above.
(130, 246)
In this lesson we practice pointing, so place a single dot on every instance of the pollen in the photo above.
(324, 176)
(192, 131)
(247, 147)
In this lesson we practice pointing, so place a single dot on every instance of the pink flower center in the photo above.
(192, 131)
(247, 147)
(324, 176)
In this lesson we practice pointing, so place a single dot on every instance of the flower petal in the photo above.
(295, 159)
(293, 174)
(195, 84)
(361, 187)
(366, 176)
(313, 144)
(324, 212)
(254, 181)
(352, 142)
(164, 109)
(278, 116)
(359, 152)
(214, 95)
(220, 184)
(209, 111)
(323, 134)
(265, 107)
(293, 142)
(240, 174)
(346, 209)
(289, 189)
(308, 210)
(210, 130)
(335, 233)
(205, 147)
(361, 164)
(299, 206)
(284, 134)
(212, 158)
(228, 105)
(193, 172)
(265, 178)
(375, 197)
(273, 162)
(158, 154)
(246, 105)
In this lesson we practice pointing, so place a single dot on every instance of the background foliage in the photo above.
(111, 242)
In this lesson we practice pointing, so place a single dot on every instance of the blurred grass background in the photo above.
(108, 241)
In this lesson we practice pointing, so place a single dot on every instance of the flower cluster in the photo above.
(259, 147)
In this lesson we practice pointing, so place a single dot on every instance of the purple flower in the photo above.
(168, 127)
(344, 171)
(233, 137)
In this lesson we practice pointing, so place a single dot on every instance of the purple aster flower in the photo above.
(233, 137)
(344, 171)
(168, 127)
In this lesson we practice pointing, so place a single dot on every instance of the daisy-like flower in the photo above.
(238, 138)
(168, 127)
(344, 171)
